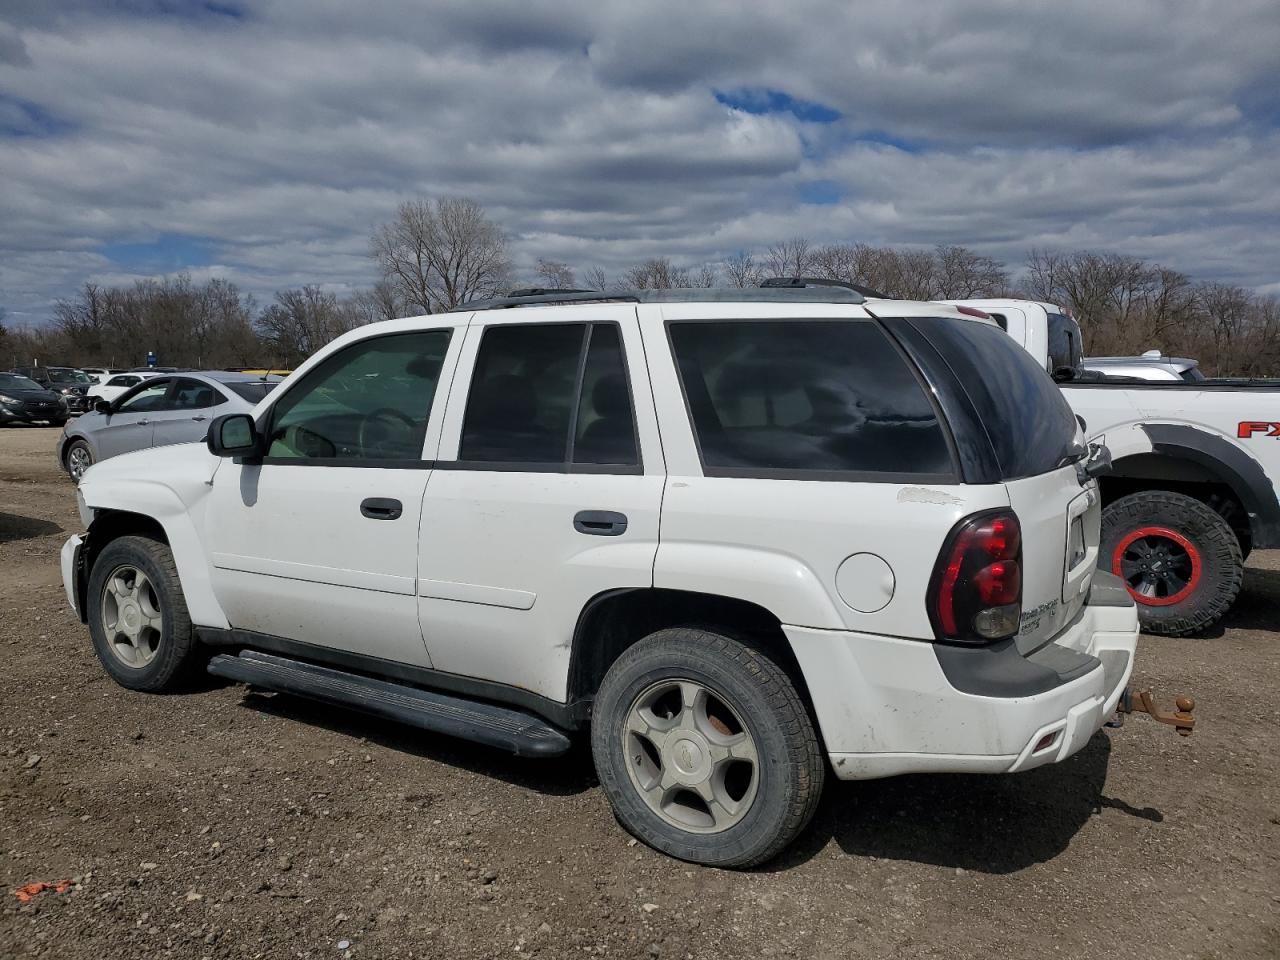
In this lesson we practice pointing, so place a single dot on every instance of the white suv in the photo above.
(742, 537)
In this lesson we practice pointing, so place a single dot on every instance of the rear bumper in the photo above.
(888, 706)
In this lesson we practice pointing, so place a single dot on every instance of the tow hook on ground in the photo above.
(1144, 701)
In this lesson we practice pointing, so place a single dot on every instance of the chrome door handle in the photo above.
(142, 423)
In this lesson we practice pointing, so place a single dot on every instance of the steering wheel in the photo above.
(382, 427)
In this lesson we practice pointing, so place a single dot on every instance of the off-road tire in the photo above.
(1220, 560)
(790, 768)
(177, 651)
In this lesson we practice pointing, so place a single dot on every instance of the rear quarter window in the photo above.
(807, 399)
(1027, 420)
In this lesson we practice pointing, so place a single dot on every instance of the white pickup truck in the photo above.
(1195, 470)
(743, 537)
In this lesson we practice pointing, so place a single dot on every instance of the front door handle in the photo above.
(199, 419)
(381, 508)
(600, 523)
(142, 423)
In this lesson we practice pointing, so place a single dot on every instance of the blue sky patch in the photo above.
(22, 118)
(821, 192)
(764, 100)
(167, 253)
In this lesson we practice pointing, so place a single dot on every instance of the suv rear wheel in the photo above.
(1179, 558)
(138, 617)
(705, 749)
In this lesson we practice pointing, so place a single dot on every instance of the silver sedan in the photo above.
(173, 408)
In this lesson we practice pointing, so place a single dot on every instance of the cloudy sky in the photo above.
(262, 140)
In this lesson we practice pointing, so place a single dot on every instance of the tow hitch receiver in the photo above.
(1144, 701)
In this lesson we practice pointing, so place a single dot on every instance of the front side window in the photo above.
(550, 396)
(369, 401)
(124, 381)
(150, 397)
(796, 397)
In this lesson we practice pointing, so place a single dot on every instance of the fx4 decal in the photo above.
(1247, 428)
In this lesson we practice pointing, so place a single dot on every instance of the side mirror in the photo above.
(102, 406)
(233, 435)
(1063, 374)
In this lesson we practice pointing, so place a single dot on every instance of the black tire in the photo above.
(66, 457)
(176, 650)
(1185, 527)
(790, 768)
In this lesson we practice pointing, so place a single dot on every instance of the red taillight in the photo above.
(976, 593)
(974, 312)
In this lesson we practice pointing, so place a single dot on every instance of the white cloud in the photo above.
(278, 139)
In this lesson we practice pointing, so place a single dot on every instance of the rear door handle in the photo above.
(600, 523)
(199, 419)
(381, 508)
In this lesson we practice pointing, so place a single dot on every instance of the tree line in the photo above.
(438, 254)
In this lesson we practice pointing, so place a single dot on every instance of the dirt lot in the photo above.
(225, 824)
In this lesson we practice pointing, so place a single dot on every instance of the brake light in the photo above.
(974, 312)
(976, 592)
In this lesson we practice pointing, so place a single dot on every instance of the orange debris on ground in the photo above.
(31, 890)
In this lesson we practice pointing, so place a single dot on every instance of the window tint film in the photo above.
(1066, 348)
(806, 395)
(605, 430)
(1021, 409)
(370, 401)
(149, 397)
(193, 395)
(522, 394)
(251, 390)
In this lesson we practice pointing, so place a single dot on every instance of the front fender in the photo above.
(176, 500)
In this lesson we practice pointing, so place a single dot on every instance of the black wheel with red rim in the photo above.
(1160, 566)
(1179, 559)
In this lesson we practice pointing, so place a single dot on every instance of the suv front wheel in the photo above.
(705, 749)
(138, 617)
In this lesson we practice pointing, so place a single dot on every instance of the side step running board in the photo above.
(522, 733)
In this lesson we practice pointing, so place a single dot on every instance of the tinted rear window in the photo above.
(806, 397)
(1030, 426)
(251, 390)
(1066, 348)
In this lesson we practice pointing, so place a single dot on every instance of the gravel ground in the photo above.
(220, 823)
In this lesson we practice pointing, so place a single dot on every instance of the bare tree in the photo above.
(441, 254)
(790, 258)
(597, 279)
(962, 273)
(658, 273)
(555, 274)
(706, 276)
(742, 270)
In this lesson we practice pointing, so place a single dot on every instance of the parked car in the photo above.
(156, 411)
(1193, 487)
(1152, 365)
(119, 384)
(22, 400)
(68, 382)
(744, 538)
(99, 374)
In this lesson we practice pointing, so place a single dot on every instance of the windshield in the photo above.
(1065, 346)
(68, 376)
(15, 381)
(252, 390)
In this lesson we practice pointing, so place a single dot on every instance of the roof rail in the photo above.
(813, 293)
(544, 291)
(799, 283)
